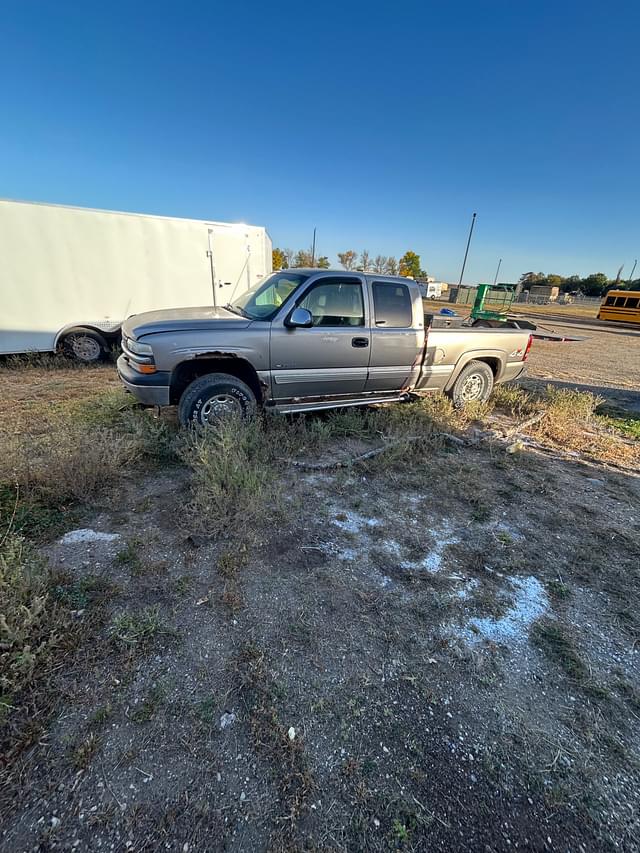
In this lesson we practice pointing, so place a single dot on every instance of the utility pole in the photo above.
(633, 269)
(464, 263)
(313, 249)
(495, 278)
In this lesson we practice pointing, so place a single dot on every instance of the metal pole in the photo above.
(495, 278)
(313, 249)
(466, 252)
(633, 269)
(212, 265)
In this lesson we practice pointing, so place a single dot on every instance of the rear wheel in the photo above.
(214, 397)
(474, 384)
(85, 345)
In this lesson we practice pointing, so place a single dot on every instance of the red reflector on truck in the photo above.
(526, 352)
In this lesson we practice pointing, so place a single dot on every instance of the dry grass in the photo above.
(233, 478)
(31, 623)
(570, 423)
(236, 465)
(33, 399)
(72, 464)
(88, 447)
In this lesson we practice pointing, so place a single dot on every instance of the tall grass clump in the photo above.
(234, 483)
(31, 624)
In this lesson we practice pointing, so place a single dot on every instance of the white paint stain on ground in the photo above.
(350, 553)
(465, 590)
(432, 562)
(85, 534)
(530, 603)
(353, 522)
(363, 552)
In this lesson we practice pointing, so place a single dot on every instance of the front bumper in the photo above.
(150, 389)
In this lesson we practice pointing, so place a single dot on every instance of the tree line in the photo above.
(595, 284)
(408, 265)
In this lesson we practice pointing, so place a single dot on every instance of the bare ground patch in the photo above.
(434, 649)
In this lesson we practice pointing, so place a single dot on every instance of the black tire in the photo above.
(474, 384)
(84, 345)
(199, 407)
(482, 324)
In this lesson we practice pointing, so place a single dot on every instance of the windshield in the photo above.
(263, 301)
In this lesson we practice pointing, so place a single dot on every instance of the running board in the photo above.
(291, 408)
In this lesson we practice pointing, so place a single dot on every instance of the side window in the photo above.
(335, 303)
(392, 304)
(620, 300)
(609, 300)
(632, 302)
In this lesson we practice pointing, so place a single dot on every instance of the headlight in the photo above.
(138, 348)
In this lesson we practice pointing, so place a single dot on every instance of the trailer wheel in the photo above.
(213, 397)
(84, 345)
(482, 324)
(474, 384)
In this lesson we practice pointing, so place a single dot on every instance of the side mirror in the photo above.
(299, 317)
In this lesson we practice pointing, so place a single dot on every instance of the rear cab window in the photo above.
(392, 306)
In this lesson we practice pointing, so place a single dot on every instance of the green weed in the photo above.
(137, 628)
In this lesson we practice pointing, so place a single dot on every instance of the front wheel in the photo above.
(214, 397)
(474, 384)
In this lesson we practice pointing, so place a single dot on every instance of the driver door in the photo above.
(330, 358)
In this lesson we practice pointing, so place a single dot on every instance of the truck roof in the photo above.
(378, 276)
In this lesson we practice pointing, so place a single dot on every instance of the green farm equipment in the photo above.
(491, 306)
(490, 310)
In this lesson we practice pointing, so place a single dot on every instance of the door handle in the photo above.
(359, 342)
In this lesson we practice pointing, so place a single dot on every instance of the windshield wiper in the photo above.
(235, 310)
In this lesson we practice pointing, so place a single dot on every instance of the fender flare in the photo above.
(493, 356)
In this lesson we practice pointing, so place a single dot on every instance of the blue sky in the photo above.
(385, 125)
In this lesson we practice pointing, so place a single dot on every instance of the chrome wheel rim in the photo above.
(220, 406)
(472, 388)
(85, 348)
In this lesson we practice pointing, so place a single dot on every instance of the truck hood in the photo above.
(181, 319)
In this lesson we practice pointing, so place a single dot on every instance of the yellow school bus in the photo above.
(623, 306)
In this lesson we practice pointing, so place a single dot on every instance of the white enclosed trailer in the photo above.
(69, 276)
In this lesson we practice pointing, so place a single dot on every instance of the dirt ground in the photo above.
(607, 362)
(433, 651)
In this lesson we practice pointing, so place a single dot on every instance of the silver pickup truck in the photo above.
(306, 339)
